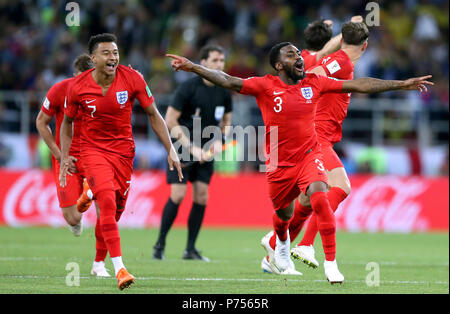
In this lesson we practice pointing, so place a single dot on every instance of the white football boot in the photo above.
(282, 258)
(99, 270)
(305, 254)
(77, 229)
(332, 272)
(266, 265)
(268, 268)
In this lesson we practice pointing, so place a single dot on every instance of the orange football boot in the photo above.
(84, 202)
(124, 279)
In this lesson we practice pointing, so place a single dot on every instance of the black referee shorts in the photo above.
(195, 172)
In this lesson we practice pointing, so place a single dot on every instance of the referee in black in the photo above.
(196, 98)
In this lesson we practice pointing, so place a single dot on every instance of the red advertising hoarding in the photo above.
(377, 203)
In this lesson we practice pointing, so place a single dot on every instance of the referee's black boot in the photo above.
(193, 254)
(158, 252)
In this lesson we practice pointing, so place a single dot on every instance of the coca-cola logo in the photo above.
(32, 200)
(387, 203)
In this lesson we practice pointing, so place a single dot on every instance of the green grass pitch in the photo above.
(34, 260)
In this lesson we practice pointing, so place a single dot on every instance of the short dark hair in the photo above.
(83, 63)
(274, 53)
(100, 38)
(354, 33)
(206, 50)
(317, 34)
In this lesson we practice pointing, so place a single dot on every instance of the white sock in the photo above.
(118, 264)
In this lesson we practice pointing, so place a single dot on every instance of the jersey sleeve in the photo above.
(51, 102)
(182, 96)
(337, 67)
(142, 91)
(252, 86)
(71, 103)
(329, 84)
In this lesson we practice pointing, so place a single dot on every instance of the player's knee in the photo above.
(177, 198)
(107, 202)
(304, 200)
(201, 198)
(285, 214)
(177, 194)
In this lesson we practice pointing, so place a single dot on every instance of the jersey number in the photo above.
(93, 110)
(319, 165)
(278, 101)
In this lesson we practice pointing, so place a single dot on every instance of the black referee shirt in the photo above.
(194, 99)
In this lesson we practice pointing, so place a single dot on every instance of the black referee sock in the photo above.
(168, 216)
(194, 224)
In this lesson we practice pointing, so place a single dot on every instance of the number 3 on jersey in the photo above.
(278, 101)
(319, 165)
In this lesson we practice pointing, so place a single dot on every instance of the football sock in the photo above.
(301, 214)
(118, 264)
(194, 224)
(281, 228)
(100, 245)
(326, 223)
(335, 196)
(109, 227)
(168, 216)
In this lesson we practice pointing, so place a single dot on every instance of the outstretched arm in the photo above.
(371, 85)
(217, 77)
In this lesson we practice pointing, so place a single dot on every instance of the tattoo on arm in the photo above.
(219, 78)
(370, 85)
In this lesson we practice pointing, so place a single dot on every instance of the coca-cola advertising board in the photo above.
(376, 204)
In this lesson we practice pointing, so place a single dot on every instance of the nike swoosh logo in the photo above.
(88, 102)
(277, 93)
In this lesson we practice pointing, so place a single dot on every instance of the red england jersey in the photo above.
(291, 109)
(106, 120)
(332, 107)
(309, 58)
(53, 105)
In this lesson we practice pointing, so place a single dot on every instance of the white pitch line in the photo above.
(382, 263)
(232, 279)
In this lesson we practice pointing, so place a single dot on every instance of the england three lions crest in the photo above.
(122, 98)
(307, 92)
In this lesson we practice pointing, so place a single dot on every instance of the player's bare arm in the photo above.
(217, 77)
(334, 44)
(42, 125)
(159, 126)
(66, 141)
(318, 70)
(372, 85)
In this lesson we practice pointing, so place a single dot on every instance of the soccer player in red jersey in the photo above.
(318, 41)
(288, 102)
(330, 114)
(54, 106)
(105, 96)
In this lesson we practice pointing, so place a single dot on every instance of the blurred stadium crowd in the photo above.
(37, 47)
